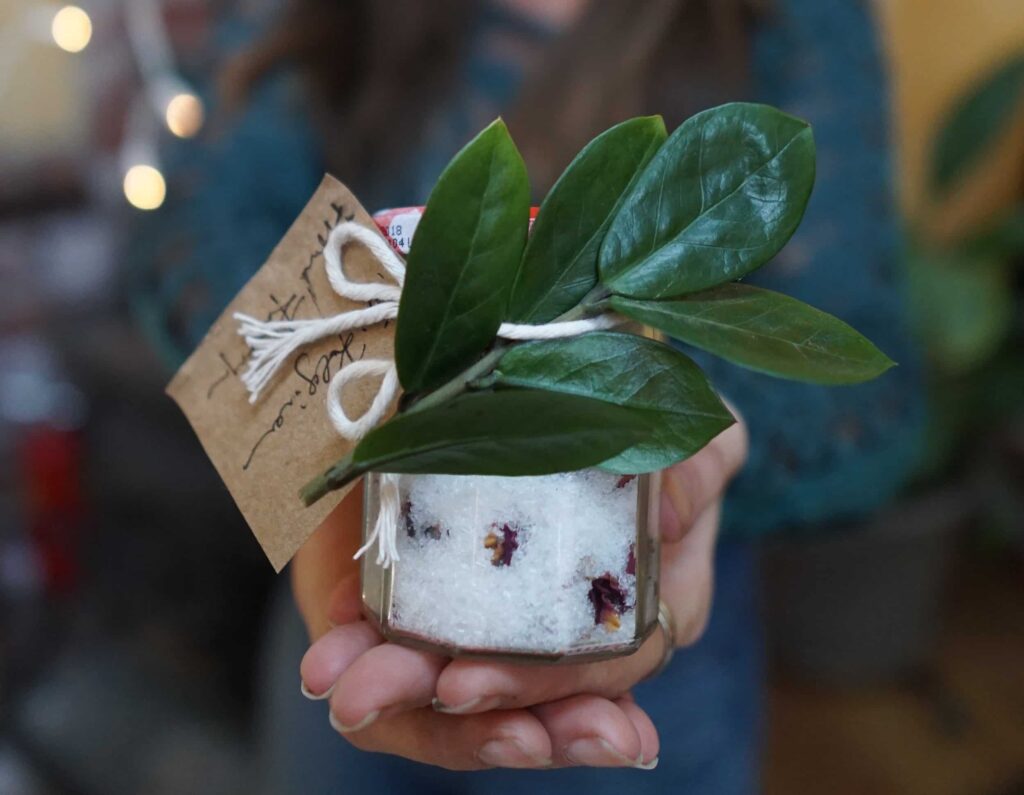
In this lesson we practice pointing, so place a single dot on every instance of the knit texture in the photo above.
(817, 454)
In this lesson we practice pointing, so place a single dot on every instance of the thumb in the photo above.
(325, 560)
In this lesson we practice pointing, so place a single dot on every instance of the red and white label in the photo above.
(399, 225)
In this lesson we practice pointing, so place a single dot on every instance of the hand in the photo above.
(470, 714)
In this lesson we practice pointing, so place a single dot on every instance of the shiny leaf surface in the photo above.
(559, 266)
(463, 259)
(510, 432)
(764, 331)
(719, 199)
(628, 370)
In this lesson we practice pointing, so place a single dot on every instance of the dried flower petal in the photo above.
(410, 528)
(432, 530)
(624, 481)
(631, 560)
(608, 599)
(502, 545)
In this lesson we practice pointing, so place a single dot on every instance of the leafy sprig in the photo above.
(654, 227)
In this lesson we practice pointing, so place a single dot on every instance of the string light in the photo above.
(71, 29)
(144, 187)
(184, 115)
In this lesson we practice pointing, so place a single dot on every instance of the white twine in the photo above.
(274, 341)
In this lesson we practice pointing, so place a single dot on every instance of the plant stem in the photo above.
(337, 475)
(594, 302)
(344, 470)
(457, 385)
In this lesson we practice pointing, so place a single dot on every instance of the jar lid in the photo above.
(398, 225)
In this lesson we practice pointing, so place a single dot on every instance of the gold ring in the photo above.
(668, 631)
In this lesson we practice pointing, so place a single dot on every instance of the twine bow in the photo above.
(273, 342)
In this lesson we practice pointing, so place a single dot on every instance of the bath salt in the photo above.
(518, 564)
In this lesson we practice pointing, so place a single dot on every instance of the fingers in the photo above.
(324, 559)
(591, 731)
(345, 604)
(329, 657)
(581, 730)
(650, 745)
(687, 576)
(691, 486)
(687, 579)
(383, 681)
(471, 686)
(513, 738)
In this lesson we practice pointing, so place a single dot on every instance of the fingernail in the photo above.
(338, 726)
(596, 752)
(647, 765)
(478, 704)
(313, 696)
(509, 753)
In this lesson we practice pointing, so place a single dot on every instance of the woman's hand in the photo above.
(470, 714)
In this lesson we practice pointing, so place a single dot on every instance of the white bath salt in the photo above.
(570, 528)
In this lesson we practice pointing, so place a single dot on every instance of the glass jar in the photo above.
(553, 568)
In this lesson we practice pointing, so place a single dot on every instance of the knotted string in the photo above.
(273, 342)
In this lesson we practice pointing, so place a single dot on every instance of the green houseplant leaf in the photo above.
(962, 304)
(559, 266)
(1001, 238)
(463, 260)
(975, 121)
(513, 432)
(646, 376)
(764, 331)
(508, 432)
(714, 201)
(719, 199)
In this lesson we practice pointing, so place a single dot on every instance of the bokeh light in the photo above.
(184, 115)
(71, 29)
(144, 187)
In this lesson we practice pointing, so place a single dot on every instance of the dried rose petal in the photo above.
(631, 560)
(502, 546)
(608, 599)
(624, 481)
(431, 531)
(410, 527)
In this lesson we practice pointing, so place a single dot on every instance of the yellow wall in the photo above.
(43, 108)
(936, 48)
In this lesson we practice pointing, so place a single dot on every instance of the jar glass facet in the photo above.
(549, 568)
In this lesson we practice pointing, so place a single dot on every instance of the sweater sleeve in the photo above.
(826, 453)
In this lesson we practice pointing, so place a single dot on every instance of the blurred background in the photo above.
(151, 154)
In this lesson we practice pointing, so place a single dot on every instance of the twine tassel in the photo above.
(273, 342)
(386, 527)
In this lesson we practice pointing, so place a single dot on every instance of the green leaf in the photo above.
(513, 432)
(646, 376)
(1002, 237)
(962, 306)
(765, 331)
(560, 263)
(463, 259)
(975, 121)
(721, 197)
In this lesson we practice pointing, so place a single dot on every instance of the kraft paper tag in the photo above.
(265, 452)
